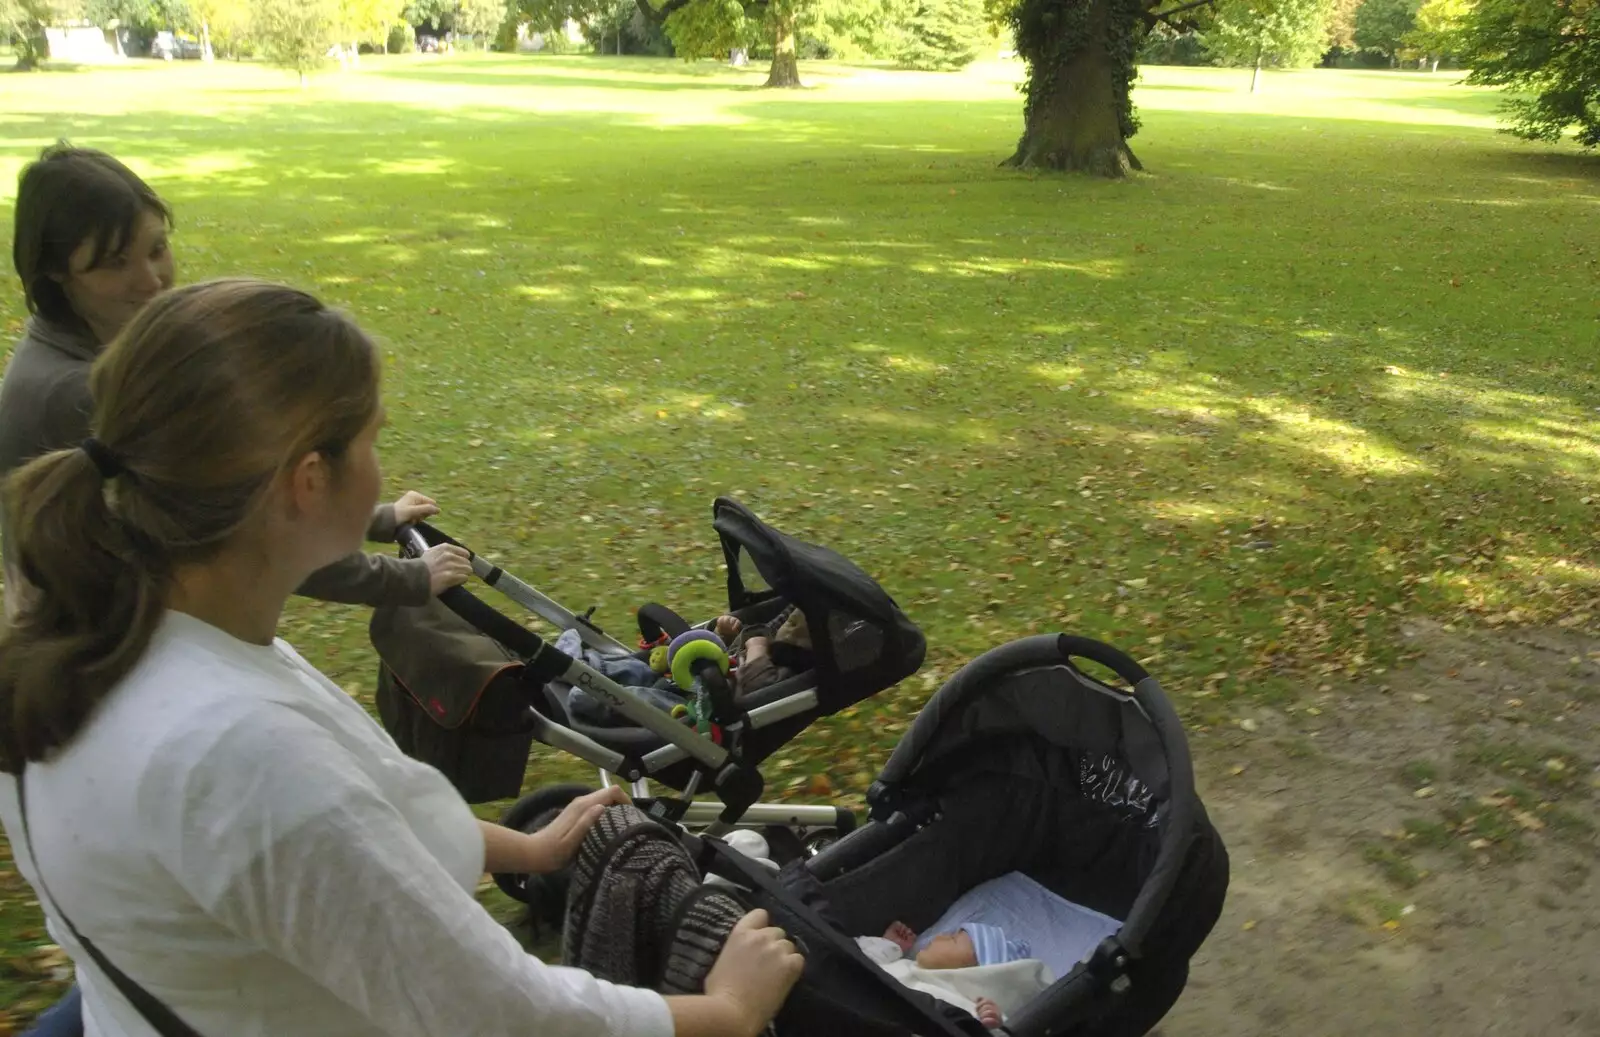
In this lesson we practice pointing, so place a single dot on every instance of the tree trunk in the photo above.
(1255, 77)
(785, 71)
(206, 54)
(30, 52)
(1072, 117)
(1435, 67)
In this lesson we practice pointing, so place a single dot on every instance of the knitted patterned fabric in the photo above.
(637, 913)
(704, 922)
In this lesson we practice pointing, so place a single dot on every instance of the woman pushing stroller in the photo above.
(223, 840)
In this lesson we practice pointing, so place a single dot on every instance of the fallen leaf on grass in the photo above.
(1527, 820)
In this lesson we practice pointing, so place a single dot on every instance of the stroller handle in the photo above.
(1113, 659)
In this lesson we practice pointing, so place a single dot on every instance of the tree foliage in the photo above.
(1438, 27)
(1274, 32)
(364, 21)
(296, 34)
(940, 35)
(1383, 25)
(227, 23)
(709, 28)
(143, 14)
(1548, 54)
(480, 18)
(24, 22)
(439, 13)
(1342, 24)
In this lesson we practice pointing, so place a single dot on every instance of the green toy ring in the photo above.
(691, 652)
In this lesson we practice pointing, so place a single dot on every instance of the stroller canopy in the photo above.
(863, 642)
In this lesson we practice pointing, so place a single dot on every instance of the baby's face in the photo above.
(949, 951)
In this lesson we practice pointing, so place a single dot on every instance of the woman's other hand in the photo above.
(552, 847)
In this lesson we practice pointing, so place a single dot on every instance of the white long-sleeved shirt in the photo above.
(237, 835)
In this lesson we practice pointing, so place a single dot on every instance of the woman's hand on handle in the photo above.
(414, 507)
(756, 970)
(448, 566)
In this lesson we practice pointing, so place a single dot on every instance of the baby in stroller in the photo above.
(972, 946)
(761, 655)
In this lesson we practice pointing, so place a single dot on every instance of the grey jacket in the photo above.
(45, 405)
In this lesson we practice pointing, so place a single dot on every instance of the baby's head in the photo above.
(970, 945)
(949, 951)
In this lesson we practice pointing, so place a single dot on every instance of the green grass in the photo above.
(1395, 865)
(1331, 363)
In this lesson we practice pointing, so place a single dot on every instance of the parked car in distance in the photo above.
(168, 45)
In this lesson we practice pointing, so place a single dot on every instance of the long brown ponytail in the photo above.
(200, 403)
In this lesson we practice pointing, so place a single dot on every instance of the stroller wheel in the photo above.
(545, 895)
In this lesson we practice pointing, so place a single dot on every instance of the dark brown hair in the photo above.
(68, 196)
(204, 399)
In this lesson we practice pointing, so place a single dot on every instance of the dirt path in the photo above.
(1481, 919)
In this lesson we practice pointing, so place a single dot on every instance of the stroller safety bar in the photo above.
(761, 716)
(545, 663)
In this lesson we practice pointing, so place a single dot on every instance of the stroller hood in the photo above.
(863, 642)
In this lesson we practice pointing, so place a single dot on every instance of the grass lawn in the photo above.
(1332, 362)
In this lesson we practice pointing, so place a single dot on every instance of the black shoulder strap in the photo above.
(161, 1018)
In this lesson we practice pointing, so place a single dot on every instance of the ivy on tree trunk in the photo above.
(1078, 113)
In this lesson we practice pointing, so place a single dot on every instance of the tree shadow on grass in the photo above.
(1206, 420)
(1252, 423)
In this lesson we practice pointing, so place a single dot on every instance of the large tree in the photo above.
(24, 22)
(1438, 29)
(1274, 32)
(1382, 26)
(296, 34)
(1077, 113)
(480, 18)
(1548, 54)
(363, 21)
(224, 25)
(704, 28)
(940, 35)
(1342, 24)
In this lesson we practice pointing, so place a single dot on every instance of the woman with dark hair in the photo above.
(91, 249)
(225, 842)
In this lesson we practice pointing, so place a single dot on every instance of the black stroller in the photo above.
(1022, 764)
(468, 689)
